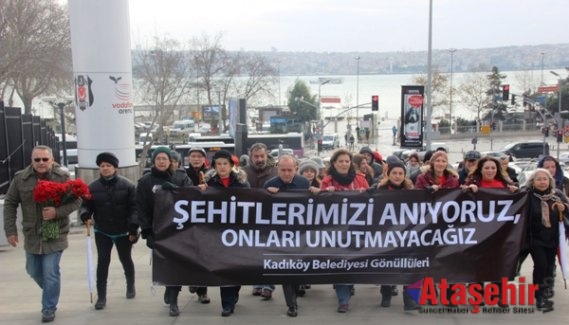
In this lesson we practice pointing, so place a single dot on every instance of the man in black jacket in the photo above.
(113, 209)
(288, 180)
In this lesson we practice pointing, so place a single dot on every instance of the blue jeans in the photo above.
(344, 293)
(44, 269)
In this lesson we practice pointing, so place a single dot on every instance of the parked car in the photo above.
(275, 152)
(330, 142)
(527, 149)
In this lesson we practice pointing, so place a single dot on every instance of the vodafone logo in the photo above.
(122, 92)
(415, 101)
(122, 88)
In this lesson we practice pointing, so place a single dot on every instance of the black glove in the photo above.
(136, 236)
(169, 186)
(84, 217)
(150, 241)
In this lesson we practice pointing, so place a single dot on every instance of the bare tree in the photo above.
(209, 62)
(35, 43)
(473, 93)
(440, 90)
(165, 78)
(260, 74)
(527, 81)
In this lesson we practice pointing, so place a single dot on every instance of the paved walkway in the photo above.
(20, 300)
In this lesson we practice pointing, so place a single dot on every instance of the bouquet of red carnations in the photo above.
(54, 194)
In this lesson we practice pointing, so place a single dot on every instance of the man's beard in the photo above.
(260, 165)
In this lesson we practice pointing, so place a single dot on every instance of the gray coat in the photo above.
(20, 192)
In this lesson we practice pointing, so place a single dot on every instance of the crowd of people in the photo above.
(119, 209)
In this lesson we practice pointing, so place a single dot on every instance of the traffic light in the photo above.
(559, 136)
(493, 126)
(374, 103)
(505, 92)
(513, 99)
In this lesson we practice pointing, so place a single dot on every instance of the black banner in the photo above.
(247, 236)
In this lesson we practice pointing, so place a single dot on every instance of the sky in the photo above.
(352, 25)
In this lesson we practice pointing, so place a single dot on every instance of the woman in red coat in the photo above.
(342, 176)
(437, 174)
(489, 174)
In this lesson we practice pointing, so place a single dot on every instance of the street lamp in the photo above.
(357, 90)
(61, 107)
(559, 122)
(451, 51)
(321, 82)
(542, 56)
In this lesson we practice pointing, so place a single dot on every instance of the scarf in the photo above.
(344, 180)
(545, 207)
(393, 187)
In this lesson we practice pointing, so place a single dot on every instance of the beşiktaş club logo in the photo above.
(495, 297)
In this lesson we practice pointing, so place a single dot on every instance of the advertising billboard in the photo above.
(412, 116)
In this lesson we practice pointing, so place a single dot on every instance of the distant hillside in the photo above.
(505, 58)
(509, 58)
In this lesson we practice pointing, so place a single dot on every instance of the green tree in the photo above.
(498, 109)
(301, 103)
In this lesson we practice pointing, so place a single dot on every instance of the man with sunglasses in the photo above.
(42, 256)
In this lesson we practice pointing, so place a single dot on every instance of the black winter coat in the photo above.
(538, 234)
(195, 175)
(112, 206)
(145, 196)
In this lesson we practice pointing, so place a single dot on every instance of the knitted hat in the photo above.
(393, 159)
(438, 154)
(197, 149)
(308, 164)
(319, 162)
(175, 156)
(394, 164)
(158, 150)
(107, 157)
(223, 154)
(366, 150)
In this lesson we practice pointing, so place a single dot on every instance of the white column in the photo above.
(102, 72)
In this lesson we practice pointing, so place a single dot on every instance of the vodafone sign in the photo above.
(415, 101)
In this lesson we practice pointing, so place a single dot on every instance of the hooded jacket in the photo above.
(237, 179)
(427, 178)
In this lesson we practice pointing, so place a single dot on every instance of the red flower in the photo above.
(55, 194)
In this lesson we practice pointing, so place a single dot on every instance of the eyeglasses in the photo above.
(41, 159)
